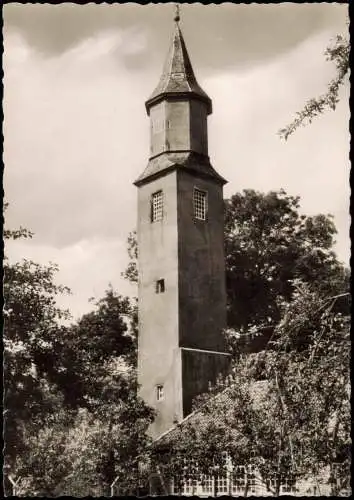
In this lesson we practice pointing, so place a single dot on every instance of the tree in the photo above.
(68, 388)
(99, 428)
(30, 313)
(338, 53)
(84, 351)
(83, 459)
(97, 434)
(131, 272)
(285, 411)
(268, 244)
(313, 345)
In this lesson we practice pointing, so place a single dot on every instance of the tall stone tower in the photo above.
(182, 298)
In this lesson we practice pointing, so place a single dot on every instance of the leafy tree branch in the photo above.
(338, 53)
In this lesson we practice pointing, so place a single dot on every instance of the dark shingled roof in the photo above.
(189, 161)
(258, 393)
(178, 78)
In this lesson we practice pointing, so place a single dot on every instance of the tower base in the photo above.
(199, 369)
(190, 374)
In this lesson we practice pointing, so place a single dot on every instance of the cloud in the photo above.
(229, 34)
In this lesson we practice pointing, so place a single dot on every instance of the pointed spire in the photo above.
(178, 77)
(177, 16)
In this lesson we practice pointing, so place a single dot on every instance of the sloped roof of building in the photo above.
(178, 77)
(258, 393)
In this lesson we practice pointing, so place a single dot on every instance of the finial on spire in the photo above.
(177, 15)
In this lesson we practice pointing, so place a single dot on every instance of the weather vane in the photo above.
(177, 16)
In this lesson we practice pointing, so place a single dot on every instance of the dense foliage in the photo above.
(269, 244)
(285, 410)
(30, 314)
(73, 421)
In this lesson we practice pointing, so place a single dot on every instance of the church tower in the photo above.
(182, 297)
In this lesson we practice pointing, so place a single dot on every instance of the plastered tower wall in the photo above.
(198, 127)
(158, 354)
(198, 368)
(201, 268)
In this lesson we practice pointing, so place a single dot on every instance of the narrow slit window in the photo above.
(159, 392)
(156, 206)
(160, 286)
(200, 204)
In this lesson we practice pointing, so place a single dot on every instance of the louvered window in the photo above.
(200, 204)
(157, 206)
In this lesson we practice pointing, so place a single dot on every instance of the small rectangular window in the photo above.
(157, 206)
(160, 286)
(222, 484)
(238, 480)
(159, 392)
(200, 204)
(252, 481)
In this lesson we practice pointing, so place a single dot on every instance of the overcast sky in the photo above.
(77, 134)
